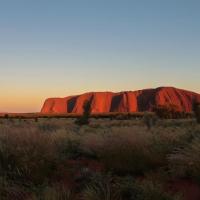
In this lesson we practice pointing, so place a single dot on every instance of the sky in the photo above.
(56, 48)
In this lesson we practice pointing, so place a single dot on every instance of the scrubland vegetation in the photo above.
(132, 159)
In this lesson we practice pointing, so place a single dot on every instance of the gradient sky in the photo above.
(55, 48)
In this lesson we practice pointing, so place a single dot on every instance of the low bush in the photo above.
(148, 190)
(6, 116)
(101, 187)
(107, 187)
(185, 162)
(27, 156)
(58, 192)
(129, 153)
(168, 111)
(149, 120)
(69, 149)
(50, 163)
(196, 110)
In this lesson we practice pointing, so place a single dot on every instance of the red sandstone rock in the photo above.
(132, 101)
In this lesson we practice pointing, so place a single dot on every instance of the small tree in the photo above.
(6, 116)
(36, 119)
(84, 119)
(196, 110)
(149, 120)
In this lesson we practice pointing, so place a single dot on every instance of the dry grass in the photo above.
(37, 156)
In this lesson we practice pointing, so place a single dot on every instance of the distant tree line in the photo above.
(171, 111)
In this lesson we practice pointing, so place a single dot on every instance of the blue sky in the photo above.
(58, 48)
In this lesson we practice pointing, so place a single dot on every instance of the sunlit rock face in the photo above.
(130, 101)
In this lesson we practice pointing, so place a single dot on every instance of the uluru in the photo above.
(128, 101)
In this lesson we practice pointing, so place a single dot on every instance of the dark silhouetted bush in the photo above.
(84, 119)
(6, 116)
(196, 110)
(149, 119)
